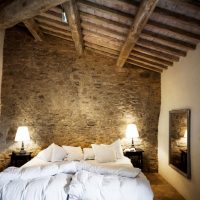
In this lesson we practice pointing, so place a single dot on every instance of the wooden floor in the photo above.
(162, 189)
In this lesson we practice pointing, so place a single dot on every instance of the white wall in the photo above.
(180, 88)
(1, 60)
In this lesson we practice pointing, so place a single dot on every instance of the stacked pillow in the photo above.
(108, 153)
(101, 153)
(52, 153)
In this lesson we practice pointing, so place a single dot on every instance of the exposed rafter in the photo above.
(18, 11)
(145, 10)
(33, 29)
(73, 17)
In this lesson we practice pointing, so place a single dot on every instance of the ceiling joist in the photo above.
(73, 17)
(33, 28)
(140, 20)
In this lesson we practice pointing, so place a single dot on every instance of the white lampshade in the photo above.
(22, 134)
(131, 131)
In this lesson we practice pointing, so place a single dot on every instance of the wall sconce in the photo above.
(132, 132)
(22, 135)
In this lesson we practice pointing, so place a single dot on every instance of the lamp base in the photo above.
(22, 151)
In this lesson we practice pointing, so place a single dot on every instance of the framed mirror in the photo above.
(179, 141)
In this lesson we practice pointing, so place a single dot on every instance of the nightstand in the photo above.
(136, 157)
(18, 159)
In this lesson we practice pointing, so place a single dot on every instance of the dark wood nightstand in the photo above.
(136, 157)
(18, 159)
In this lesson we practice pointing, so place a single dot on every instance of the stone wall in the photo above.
(73, 101)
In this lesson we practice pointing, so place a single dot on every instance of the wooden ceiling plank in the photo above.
(181, 7)
(55, 30)
(87, 26)
(106, 23)
(105, 12)
(103, 37)
(151, 58)
(18, 11)
(145, 61)
(162, 48)
(73, 17)
(51, 22)
(103, 43)
(173, 32)
(151, 48)
(158, 54)
(57, 35)
(140, 65)
(100, 52)
(145, 10)
(103, 49)
(50, 16)
(33, 28)
(126, 19)
(167, 40)
(159, 15)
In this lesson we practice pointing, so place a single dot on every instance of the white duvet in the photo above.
(75, 181)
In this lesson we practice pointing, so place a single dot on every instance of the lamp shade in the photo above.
(22, 134)
(131, 131)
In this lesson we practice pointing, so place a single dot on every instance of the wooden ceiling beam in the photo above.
(156, 53)
(160, 47)
(33, 28)
(151, 58)
(73, 17)
(145, 10)
(18, 11)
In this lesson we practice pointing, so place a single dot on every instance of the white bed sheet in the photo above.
(70, 178)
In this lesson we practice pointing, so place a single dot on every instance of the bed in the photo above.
(74, 180)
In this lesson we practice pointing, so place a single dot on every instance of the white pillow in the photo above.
(104, 153)
(46, 153)
(73, 153)
(118, 149)
(58, 153)
(88, 154)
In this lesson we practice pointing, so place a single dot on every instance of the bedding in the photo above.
(104, 153)
(85, 180)
(73, 153)
(88, 154)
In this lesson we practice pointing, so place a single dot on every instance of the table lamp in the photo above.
(22, 135)
(132, 132)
